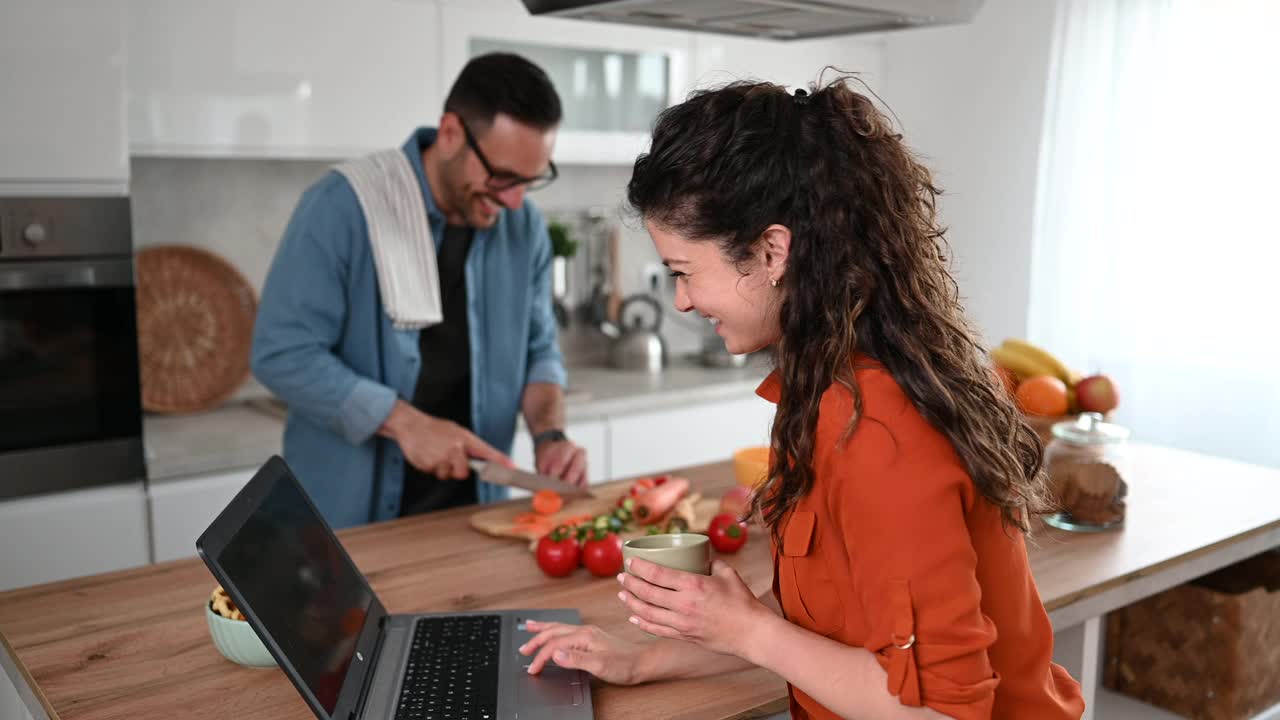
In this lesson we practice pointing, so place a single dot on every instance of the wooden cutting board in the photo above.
(499, 521)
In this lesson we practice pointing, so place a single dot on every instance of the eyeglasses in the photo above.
(500, 180)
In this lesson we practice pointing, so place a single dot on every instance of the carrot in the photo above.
(527, 518)
(654, 504)
(576, 520)
(535, 529)
(547, 502)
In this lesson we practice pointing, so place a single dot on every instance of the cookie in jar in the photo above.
(1086, 463)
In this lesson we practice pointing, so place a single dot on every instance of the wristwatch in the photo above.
(554, 434)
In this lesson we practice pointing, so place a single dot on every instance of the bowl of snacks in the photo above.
(231, 633)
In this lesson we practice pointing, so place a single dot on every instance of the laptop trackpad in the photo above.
(553, 687)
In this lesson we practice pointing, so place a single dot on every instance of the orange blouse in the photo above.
(895, 550)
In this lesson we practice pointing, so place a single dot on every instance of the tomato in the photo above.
(558, 552)
(726, 533)
(602, 554)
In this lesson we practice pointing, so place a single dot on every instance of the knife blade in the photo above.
(533, 482)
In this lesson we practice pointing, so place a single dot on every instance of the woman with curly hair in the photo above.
(902, 477)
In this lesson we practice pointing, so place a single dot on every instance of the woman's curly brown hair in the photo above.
(866, 273)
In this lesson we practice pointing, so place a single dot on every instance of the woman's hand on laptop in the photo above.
(583, 647)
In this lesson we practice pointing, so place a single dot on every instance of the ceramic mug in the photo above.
(688, 552)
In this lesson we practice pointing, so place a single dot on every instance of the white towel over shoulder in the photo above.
(404, 253)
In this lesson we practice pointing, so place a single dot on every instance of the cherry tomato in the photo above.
(726, 533)
(602, 554)
(558, 552)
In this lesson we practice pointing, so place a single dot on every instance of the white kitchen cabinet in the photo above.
(591, 435)
(652, 442)
(183, 508)
(280, 78)
(51, 537)
(719, 59)
(612, 79)
(63, 109)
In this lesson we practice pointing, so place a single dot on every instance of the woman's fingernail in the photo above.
(627, 564)
(621, 577)
(622, 596)
(633, 620)
(523, 648)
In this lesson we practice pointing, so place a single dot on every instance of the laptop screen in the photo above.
(302, 587)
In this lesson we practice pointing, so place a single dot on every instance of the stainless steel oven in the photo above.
(70, 407)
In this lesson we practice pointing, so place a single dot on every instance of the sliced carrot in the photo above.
(527, 518)
(547, 502)
(577, 520)
(535, 529)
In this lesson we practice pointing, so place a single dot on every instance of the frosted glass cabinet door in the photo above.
(280, 78)
(612, 79)
(62, 110)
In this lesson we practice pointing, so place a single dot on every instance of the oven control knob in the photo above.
(35, 233)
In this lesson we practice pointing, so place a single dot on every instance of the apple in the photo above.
(1097, 393)
(736, 500)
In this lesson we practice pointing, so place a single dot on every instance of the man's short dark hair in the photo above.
(504, 83)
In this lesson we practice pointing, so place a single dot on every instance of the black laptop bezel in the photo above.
(214, 540)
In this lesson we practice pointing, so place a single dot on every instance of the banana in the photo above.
(1022, 364)
(1042, 357)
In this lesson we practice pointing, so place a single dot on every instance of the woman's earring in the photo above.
(774, 283)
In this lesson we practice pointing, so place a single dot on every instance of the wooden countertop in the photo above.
(133, 644)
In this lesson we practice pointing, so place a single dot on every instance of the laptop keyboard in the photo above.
(453, 669)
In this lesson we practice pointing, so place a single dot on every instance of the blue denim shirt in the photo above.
(324, 345)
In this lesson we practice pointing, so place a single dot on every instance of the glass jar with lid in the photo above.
(1086, 464)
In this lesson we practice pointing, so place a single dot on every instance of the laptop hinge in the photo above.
(373, 670)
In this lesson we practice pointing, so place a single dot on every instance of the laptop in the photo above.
(349, 659)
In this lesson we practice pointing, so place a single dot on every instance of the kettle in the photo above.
(638, 346)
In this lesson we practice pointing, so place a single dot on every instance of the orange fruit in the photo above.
(1043, 395)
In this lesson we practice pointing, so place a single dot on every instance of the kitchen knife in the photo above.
(501, 475)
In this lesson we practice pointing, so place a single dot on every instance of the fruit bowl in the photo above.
(751, 465)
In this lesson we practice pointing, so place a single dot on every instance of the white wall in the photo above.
(971, 100)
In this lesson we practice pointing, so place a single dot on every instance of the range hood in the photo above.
(774, 19)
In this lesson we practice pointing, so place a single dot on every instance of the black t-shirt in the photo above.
(444, 382)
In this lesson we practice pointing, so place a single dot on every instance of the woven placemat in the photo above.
(195, 326)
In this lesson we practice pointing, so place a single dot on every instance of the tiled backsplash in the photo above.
(238, 208)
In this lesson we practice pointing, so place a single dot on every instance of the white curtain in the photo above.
(1157, 238)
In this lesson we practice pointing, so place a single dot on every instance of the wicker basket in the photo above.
(1207, 650)
(195, 326)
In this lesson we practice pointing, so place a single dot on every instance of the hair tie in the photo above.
(801, 97)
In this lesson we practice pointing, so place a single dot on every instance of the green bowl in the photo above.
(237, 641)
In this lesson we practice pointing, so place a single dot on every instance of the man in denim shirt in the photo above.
(382, 421)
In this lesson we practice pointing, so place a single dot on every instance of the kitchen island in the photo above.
(133, 644)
